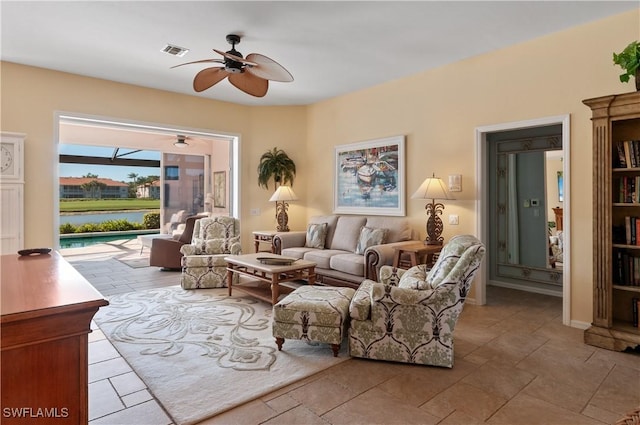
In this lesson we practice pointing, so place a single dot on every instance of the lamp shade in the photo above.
(432, 188)
(284, 193)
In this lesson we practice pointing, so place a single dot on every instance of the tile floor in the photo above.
(515, 364)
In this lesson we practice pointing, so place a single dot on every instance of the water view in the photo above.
(85, 218)
(75, 240)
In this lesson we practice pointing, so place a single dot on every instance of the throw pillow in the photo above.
(415, 278)
(370, 236)
(316, 235)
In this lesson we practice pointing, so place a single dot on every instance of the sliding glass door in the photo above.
(183, 188)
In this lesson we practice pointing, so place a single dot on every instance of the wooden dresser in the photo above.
(45, 318)
(558, 213)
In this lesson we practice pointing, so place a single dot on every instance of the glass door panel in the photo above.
(183, 188)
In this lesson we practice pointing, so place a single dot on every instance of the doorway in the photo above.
(214, 152)
(486, 208)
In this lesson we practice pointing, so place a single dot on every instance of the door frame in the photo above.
(482, 201)
(234, 157)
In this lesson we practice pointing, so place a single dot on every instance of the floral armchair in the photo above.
(203, 264)
(411, 314)
(556, 248)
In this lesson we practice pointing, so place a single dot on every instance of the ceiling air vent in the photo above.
(175, 50)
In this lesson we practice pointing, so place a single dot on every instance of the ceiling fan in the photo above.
(250, 74)
(180, 141)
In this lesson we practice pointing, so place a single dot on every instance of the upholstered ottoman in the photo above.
(314, 313)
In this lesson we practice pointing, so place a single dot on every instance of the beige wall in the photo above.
(30, 97)
(437, 110)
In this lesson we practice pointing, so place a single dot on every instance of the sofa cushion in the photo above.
(316, 235)
(331, 221)
(415, 278)
(296, 251)
(220, 245)
(348, 263)
(370, 236)
(347, 233)
(322, 257)
(398, 227)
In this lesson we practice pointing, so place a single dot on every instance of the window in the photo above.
(171, 172)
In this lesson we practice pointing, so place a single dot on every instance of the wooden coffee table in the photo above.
(273, 273)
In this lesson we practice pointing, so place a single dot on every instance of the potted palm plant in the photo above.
(275, 164)
(629, 60)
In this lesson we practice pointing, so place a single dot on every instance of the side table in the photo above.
(415, 254)
(264, 236)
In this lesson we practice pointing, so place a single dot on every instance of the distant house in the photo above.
(81, 187)
(148, 190)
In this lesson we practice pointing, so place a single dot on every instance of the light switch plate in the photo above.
(455, 183)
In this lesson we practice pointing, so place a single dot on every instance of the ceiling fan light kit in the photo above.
(250, 74)
(180, 142)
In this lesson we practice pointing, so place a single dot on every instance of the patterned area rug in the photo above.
(201, 352)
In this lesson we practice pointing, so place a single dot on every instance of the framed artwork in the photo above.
(560, 187)
(219, 189)
(369, 177)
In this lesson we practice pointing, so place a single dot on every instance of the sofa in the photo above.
(346, 248)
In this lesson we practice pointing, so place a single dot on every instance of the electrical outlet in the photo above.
(453, 219)
(254, 211)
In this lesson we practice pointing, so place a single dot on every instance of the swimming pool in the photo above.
(80, 240)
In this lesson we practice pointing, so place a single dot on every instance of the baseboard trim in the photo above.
(579, 324)
(526, 288)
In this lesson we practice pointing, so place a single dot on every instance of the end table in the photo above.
(417, 253)
(264, 236)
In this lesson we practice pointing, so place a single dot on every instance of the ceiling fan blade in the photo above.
(200, 61)
(268, 69)
(234, 57)
(250, 84)
(208, 77)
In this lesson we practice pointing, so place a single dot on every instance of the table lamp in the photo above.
(433, 188)
(280, 197)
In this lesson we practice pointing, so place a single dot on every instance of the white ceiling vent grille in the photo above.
(175, 50)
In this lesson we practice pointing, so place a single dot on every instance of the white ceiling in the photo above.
(331, 48)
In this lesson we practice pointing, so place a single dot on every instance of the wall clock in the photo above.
(6, 159)
(11, 157)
